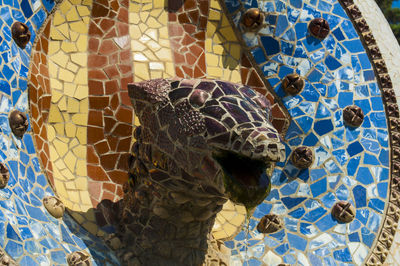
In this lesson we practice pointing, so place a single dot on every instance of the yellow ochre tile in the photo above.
(62, 104)
(61, 147)
(70, 161)
(81, 168)
(81, 135)
(73, 105)
(58, 19)
(54, 114)
(59, 127)
(73, 15)
(83, 11)
(70, 130)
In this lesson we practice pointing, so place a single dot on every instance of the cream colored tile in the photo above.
(70, 185)
(81, 77)
(80, 152)
(60, 188)
(58, 19)
(79, 27)
(79, 58)
(83, 11)
(81, 92)
(72, 67)
(82, 41)
(73, 15)
(55, 83)
(60, 165)
(54, 47)
(81, 168)
(70, 161)
(56, 35)
(69, 89)
(80, 119)
(81, 135)
(66, 75)
(85, 199)
(62, 104)
(68, 46)
(70, 130)
(73, 105)
(68, 174)
(61, 147)
(51, 133)
(83, 106)
(59, 127)
(64, 30)
(55, 114)
(81, 183)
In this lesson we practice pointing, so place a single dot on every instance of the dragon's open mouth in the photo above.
(246, 179)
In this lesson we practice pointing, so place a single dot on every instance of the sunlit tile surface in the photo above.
(350, 164)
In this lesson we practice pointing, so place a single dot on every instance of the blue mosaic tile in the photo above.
(337, 73)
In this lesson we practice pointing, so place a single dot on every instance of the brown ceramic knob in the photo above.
(353, 116)
(18, 123)
(253, 19)
(54, 206)
(79, 258)
(269, 224)
(21, 34)
(343, 211)
(319, 28)
(302, 157)
(4, 175)
(293, 84)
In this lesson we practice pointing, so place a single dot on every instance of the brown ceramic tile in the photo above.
(39, 91)
(186, 27)
(109, 72)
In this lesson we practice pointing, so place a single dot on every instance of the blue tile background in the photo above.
(350, 164)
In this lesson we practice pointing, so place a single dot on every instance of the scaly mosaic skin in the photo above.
(200, 142)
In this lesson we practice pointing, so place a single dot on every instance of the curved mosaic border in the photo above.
(46, 23)
(384, 240)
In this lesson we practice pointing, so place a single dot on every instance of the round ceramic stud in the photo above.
(269, 224)
(319, 28)
(18, 123)
(302, 157)
(79, 258)
(293, 84)
(21, 34)
(353, 116)
(4, 175)
(54, 206)
(253, 19)
(343, 211)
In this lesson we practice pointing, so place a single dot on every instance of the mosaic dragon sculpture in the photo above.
(199, 143)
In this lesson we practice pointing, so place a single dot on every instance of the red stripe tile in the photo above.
(110, 115)
(187, 27)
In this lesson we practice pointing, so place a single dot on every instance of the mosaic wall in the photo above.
(71, 81)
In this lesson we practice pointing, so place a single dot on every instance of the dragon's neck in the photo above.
(162, 227)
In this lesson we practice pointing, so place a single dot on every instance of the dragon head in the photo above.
(206, 137)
